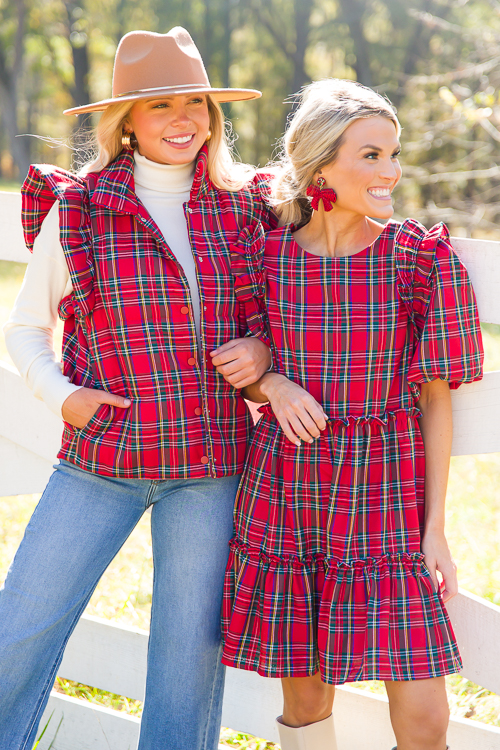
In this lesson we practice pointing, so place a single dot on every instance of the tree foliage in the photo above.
(437, 60)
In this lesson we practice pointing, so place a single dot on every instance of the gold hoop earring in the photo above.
(209, 135)
(129, 141)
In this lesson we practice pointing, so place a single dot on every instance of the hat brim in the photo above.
(220, 95)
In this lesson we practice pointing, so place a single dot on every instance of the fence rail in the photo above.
(113, 657)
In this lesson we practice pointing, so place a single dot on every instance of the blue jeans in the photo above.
(77, 528)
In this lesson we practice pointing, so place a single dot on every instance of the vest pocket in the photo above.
(99, 422)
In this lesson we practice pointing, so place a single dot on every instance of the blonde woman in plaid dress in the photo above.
(339, 523)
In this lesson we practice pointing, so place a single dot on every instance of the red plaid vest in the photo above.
(129, 327)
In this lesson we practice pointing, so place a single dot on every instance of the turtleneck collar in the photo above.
(164, 178)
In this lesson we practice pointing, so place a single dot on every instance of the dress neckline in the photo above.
(298, 248)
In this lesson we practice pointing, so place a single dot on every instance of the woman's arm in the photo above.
(436, 428)
(30, 328)
(298, 413)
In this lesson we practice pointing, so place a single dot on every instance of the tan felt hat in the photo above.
(149, 65)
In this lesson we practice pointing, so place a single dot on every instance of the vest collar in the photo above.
(115, 188)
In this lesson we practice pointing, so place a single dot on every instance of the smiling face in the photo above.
(366, 169)
(170, 130)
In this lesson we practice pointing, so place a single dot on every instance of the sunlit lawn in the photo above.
(10, 186)
(124, 593)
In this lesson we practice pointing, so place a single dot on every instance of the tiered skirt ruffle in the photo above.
(367, 619)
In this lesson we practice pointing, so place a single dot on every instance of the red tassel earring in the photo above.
(327, 195)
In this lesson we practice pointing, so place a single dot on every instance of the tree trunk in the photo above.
(207, 38)
(417, 49)
(9, 77)
(226, 58)
(291, 41)
(78, 40)
(80, 93)
(19, 147)
(303, 10)
(352, 12)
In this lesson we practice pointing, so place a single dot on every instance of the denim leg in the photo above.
(192, 522)
(77, 528)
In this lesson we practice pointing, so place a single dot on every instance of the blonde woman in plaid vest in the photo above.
(133, 255)
(339, 521)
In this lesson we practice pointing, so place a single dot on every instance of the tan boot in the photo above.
(317, 736)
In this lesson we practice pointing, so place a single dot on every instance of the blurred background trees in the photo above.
(437, 60)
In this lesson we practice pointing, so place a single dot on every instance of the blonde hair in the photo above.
(225, 172)
(314, 136)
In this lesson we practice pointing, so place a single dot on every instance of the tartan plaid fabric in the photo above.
(129, 326)
(325, 569)
(246, 266)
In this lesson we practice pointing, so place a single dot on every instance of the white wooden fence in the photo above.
(113, 657)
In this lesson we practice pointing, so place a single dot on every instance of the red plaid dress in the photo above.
(326, 571)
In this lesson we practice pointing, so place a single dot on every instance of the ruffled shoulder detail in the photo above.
(246, 262)
(43, 185)
(77, 242)
(449, 344)
(249, 277)
(260, 189)
(415, 251)
(262, 183)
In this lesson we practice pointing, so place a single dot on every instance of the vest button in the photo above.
(191, 361)
(198, 411)
(184, 310)
(204, 460)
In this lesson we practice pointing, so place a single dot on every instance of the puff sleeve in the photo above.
(249, 280)
(449, 344)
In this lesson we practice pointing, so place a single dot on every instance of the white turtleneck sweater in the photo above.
(163, 189)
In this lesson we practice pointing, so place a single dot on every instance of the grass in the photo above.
(108, 700)
(124, 592)
(491, 342)
(10, 186)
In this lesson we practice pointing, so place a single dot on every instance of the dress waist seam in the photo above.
(412, 412)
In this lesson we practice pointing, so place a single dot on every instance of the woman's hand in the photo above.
(80, 407)
(438, 558)
(242, 361)
(299, 414)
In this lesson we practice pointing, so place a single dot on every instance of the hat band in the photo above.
(162, 88)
